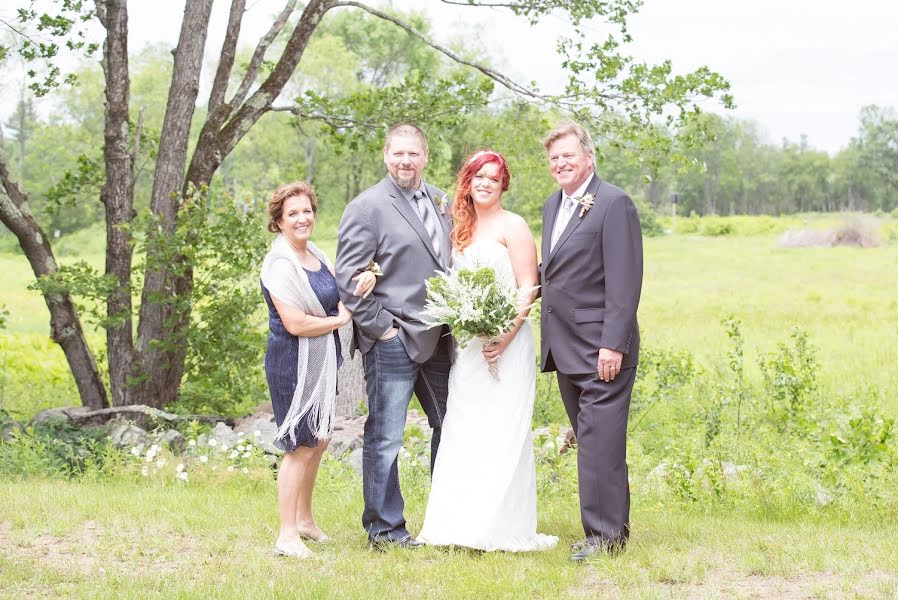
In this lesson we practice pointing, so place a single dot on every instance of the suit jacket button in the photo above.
(549, 309)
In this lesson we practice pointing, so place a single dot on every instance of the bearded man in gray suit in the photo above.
(591, 275)
(402, 224)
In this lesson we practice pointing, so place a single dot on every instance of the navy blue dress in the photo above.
(282, 356)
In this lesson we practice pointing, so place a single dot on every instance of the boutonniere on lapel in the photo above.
(585, 201)
(374, 269)
(442, 203)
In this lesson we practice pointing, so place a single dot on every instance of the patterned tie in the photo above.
(421, 203)
(567, 207)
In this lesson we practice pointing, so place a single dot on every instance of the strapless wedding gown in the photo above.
(483, 493)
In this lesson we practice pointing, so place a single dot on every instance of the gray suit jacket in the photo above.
(591, 282)
(381, 224)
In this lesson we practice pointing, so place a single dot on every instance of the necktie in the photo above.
(567, 207)
(430, 225)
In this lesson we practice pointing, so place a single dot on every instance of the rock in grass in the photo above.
(224, 435)
(266, 429)
(174, 440)
(354, 460)
(347, 435)
(123, 434)
(68, 414)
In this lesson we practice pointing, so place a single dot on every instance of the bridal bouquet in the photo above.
(473, 303)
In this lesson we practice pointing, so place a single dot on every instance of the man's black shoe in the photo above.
(408, 542)
(589, 548)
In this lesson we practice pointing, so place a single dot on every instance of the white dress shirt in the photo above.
(564, 215)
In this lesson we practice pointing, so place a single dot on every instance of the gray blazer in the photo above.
(591, 282)
(381, 224)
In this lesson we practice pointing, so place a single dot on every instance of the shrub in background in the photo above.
(648, 219)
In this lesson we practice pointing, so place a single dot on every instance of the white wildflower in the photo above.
(212, 442)
(204, 459)
(246, 455)
(182, 475)
(234, 454)
(160, 463)
(191, 443)
(245, 470)
(179, 468)
(135, 451)
(145, 471)
(257, 433)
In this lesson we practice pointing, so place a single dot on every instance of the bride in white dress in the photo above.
(483, 493)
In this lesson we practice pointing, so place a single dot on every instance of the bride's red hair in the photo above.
(463, 215)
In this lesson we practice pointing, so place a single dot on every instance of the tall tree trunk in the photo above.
(65, 328)
(161, 329)
(117, 196)
(163, 367)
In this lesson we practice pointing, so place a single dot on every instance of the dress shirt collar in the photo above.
(580, 190)
(409, 194)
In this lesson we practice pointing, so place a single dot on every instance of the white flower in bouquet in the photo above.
(473, 303)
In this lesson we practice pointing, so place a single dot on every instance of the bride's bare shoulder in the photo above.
(514, 226)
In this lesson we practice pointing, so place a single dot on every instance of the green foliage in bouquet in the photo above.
(473, 303)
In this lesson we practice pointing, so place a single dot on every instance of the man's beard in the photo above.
(406, 183)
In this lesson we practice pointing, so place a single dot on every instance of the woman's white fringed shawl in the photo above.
(316, 370)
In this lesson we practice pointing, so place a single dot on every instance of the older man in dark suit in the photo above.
(591, 276)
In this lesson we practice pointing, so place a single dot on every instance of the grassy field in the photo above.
(844, 298)
(118, 539)
(811, 513)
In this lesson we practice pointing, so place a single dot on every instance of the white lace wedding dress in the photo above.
(483, 493)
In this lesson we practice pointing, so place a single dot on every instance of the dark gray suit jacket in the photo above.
(591, 282)
(381, 224)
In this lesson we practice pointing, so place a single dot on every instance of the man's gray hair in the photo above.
(406, 129)
(571, 128)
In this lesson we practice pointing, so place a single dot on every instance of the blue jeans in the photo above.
(391, 377)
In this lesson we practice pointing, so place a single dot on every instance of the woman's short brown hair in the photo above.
(280, 195)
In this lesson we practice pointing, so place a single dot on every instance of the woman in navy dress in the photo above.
(303, 355)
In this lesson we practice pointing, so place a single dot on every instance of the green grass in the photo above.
(845, 298)
(121, 539)
(114, 533)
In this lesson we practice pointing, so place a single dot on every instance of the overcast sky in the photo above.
(796, 66)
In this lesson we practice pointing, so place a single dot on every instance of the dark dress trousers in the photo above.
(591, 282)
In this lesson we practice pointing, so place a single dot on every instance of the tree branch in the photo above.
(337, 121)
(228, 53)
(259, 102)
(11, 188)
(102, 13)
(259, 54)
(484, 4)
(491, 73)
(65, 328)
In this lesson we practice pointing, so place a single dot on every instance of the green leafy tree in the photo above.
(147, 363)
(876, 150)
